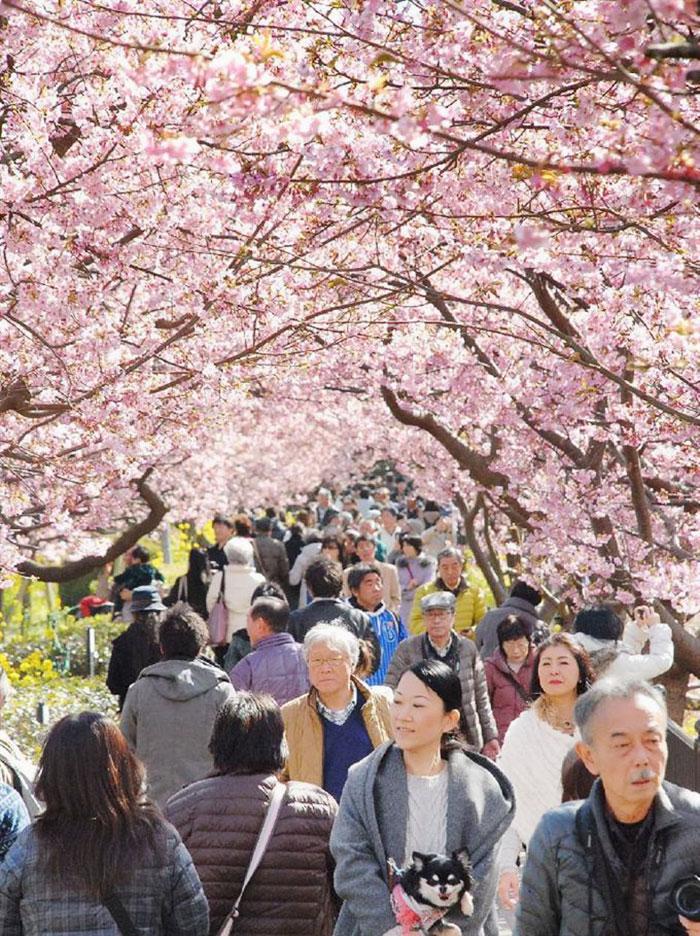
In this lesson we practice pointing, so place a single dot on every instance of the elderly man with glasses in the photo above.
(340, 720)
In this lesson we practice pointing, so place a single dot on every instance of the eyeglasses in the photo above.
(334, 662)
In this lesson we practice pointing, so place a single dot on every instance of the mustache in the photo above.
(646, 773)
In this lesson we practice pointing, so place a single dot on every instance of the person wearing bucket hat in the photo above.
(146, 598)
(441, 642)
(137, 647)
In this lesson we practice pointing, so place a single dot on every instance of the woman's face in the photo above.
(332, 550)
(516, 651)
(558, 671)
(418, 716)
(329, 669)
(408, 550)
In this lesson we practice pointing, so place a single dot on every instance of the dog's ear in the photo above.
(419, 860)
(462, 857)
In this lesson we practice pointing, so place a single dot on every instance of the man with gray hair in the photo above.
(611, 865)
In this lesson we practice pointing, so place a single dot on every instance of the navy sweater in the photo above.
(343, 746)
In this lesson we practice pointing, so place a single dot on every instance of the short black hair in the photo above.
(247, 735)
(526, 592)
(359, 572)
(599, 621)
(268, 590)
(413, 539)
(512, 627)
(140, 552)
(324, 577)
(182, 633)
(273, 611)
(366, 538)
(263, 524)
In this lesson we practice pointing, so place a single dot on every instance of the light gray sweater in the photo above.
(371, 827)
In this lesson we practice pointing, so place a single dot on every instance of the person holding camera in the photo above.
(625, 861)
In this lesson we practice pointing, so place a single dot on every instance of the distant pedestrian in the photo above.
(509, 672)
(276, 664)
(523, 601)
(469, 602)
(138, 646)
(170, 709)
(414, 568)
(365, 583)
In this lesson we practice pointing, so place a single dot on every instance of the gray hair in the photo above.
(335, 636)
(6, 688)
(612, 688)
(450, 552)
(239, 552)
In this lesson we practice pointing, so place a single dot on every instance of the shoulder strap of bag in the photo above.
(260, 847)
(258, 558)
(120, 916)
(519, 689)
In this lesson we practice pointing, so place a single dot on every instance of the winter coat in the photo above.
(304, 731)
(132, 651)
(561, 881)
(371, 827)
(624, 658)
(469, 608)
(479, 721)
(163, 896)
(13, 817)
(486, 637)
(531, 757)
(391, 591)
(275, 665)
(420, 570)
(298, 571)
(167, 719)
(506, 701)
(239, 584)
(19, 773)
(325, 610)
(271, 560)
(290, 895)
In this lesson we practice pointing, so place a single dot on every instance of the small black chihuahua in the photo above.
(429, 888)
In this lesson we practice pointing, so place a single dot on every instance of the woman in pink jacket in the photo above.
(509, 672)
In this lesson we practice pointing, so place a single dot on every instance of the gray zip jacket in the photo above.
(561, 891)
(371, 827)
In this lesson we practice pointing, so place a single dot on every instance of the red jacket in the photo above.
(507, 703)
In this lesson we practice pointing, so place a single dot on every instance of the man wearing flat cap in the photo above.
(441, 642)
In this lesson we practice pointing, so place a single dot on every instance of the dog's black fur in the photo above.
(441, 881)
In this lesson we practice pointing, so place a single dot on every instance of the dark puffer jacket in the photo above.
(291, 894)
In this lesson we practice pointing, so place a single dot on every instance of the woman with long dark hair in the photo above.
(422, 792)
(536, 744)
(100, 851)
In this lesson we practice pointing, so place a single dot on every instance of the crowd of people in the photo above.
(324, 700)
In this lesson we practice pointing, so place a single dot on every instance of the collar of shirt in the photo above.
(338, 716)
(442, 652)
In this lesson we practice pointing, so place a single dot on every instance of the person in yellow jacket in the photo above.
(470, 606)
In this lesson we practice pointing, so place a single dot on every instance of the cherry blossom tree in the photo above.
(252, 244)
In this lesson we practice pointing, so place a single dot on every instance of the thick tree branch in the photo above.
(72, 570)
(474, 463)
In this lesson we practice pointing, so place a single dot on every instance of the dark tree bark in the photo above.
(130, 537)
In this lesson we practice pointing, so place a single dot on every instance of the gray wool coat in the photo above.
(480, 724)
(560, 876)
(371, 828)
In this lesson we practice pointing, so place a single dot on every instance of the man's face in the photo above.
(365, 550)
(450, 571)
(323, 501)
(388, 521)
(222, 533)
(438, 624)
(369, 592)
(628, 752)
